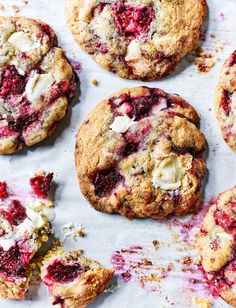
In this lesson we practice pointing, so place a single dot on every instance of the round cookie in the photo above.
(36, 83)
(139, 153)
(216, 243)
(225, 101)
(137, 39)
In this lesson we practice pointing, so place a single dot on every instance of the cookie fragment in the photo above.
(73, 280)
(24, 227)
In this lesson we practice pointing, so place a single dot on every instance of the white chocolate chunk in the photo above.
(3, 123)
(162, 104)
(36, 218)
(86, 9)
(121, 124)
(224, 236)
(37, 84)
(23, 41)
(133, 51)
(6, 244)
(168, 173)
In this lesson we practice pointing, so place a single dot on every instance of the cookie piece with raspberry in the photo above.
(225, 101)
(36, 83)
(139, 153)
(73, 280)
(137, 39)
(216, 244)
(24, 227)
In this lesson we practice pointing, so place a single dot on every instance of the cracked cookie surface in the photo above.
(36, 83)
(216, 244)
(225, 101)
(73, 280)
(139, 153)
(137, 39)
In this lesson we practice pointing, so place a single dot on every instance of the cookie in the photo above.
(216, 243)
(73, 280)
(139, 153)
(137, 39)
(24, 227)
(36, 83)
(225, 101)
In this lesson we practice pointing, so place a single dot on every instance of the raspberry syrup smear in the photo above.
(140, 265)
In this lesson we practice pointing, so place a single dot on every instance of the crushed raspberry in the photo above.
(224, 278)
(133, 20)
(141, 106)
(129, 148)
(12, 263)
(22, 122)
(41, 184)
(15, 214)
(185, 150)
(105, 181)
(63, 88)
(102, 47)
(227, 220)
(232, 60)
(11, 82)
(64, 273)
(3, 190)
(225, 102)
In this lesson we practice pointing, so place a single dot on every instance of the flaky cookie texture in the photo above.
(225, 101)
(216, 243)
(139, 153)
(36, 83)
(73, 280)
(137, 39)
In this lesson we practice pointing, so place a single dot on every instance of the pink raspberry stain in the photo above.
(133, 20)
(77, 66)
(189, 227)
(134, 264)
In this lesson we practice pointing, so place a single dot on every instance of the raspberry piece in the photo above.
(133, 20)
(16, 213)
(3, 190)
(22, 122)
(227, 220)
(137, 107)
(225, 102)
(12, 263)
(41, 184)
(64, 273)
(105, 181)
(11, 82)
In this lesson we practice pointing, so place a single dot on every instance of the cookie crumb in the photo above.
(156, 244)
(80, 232)
(15, 8)
(202, 302)
(94, 82)
(72, 231)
